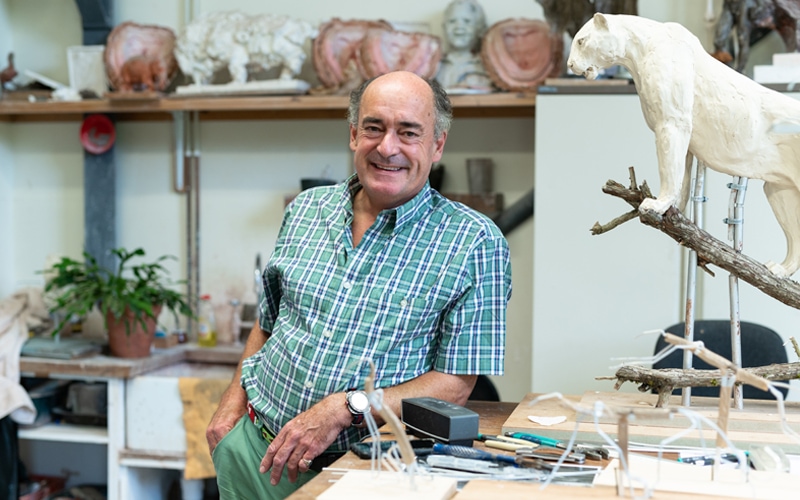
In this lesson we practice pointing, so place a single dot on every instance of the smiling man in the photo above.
(380, 268)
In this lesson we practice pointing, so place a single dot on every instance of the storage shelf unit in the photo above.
(67, 433)
(500, 104)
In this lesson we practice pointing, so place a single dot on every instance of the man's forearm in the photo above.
(453, 388)
(255, 341)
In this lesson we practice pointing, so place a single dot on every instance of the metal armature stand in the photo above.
(735, 221)
(698, 198)
(187, 181)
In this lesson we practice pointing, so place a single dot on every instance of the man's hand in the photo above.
(233, 404)
(305, 437)
(232, 407)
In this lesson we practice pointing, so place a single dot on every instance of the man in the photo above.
(381, 268)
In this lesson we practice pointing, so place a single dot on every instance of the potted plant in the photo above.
(129, 298)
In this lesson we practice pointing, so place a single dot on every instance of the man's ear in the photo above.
(439, 145)
(353, 138)
(600, 21)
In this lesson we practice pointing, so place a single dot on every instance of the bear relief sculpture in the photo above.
(699, 107)
(139, 58)
(244, 45)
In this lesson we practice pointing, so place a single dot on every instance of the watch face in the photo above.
(359, 402)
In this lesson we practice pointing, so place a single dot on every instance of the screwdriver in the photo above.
(467, 452)
(533, 438)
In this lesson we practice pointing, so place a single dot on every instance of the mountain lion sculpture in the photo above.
(698, 107)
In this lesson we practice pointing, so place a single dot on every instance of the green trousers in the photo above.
(237, 459)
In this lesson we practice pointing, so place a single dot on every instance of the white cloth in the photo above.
(18, 313)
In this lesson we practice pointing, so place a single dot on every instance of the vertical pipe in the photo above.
(189, 179)
(178, 171)
(196, 165)
(735, 223)
(698, 199)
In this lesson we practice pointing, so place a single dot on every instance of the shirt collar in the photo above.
(405, 214)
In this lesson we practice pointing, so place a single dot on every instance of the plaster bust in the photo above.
(461, 67)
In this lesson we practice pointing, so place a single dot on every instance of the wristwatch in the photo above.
(358, 404)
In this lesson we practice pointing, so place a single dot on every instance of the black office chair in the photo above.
(484, 390)
(760, 346)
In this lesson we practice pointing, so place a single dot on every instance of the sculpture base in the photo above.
(258, 87)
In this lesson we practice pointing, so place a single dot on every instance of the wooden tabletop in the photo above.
(492, 414)
(493, 417)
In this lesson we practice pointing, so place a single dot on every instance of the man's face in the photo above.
(461, 27)
(393, 144)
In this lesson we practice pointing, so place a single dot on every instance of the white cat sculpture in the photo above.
(698, 107)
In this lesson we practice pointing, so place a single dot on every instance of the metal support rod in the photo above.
(179, 166)
(196, 184)
(698, 198)
(735, 223)
(191, 163)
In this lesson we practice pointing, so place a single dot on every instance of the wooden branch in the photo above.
(795, 346)
(710, 249)
(665, 380)
(622, 219)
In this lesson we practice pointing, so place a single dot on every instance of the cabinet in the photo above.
(130, 470)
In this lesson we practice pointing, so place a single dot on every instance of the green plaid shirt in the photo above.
(426, 288)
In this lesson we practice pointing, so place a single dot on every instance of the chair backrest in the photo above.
(760, 346)
(484, 390)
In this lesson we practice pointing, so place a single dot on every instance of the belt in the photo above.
(258, 421)
(319, 462)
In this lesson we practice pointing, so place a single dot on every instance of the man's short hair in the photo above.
(442, 107)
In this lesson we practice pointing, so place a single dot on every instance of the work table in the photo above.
(101, 366)
(134, 445)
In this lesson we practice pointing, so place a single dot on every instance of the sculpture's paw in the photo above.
(656, 205)
(777, 269)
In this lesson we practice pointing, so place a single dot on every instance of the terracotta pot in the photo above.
(132, 343)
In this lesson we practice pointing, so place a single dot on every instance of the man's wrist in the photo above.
(358, 405)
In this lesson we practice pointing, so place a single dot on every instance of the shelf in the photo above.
(500, 104)
(67, 433)
(152, 459)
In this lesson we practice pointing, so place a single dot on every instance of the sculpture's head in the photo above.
(464, 24)
(596, 46)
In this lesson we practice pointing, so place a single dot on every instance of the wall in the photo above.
(633, 278)
(6, 191)
(6, 167)
(247, 167)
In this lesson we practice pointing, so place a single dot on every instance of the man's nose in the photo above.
(389, 145)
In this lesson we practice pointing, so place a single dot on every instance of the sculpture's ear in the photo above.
(600, 21)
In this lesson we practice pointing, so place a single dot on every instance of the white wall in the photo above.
(6, 192)
(595, 295)
(6, 166)
(248, 166)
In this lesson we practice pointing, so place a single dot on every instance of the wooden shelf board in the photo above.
(66, 433)
(501, 104)
(152, 459)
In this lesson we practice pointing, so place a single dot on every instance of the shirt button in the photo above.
(309, 384)
(403, 303)
(347, 285)
(327, 334)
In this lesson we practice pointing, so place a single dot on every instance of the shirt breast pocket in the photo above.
(400, 311)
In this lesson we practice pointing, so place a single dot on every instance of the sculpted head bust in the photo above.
(461, 67)
(464, 24)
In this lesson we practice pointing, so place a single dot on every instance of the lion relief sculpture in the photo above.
(698, 107)
(242, 44)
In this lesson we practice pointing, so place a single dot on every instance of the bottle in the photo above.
(206, 325)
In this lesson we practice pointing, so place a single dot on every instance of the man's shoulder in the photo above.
(317, 197)
(458, 214)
